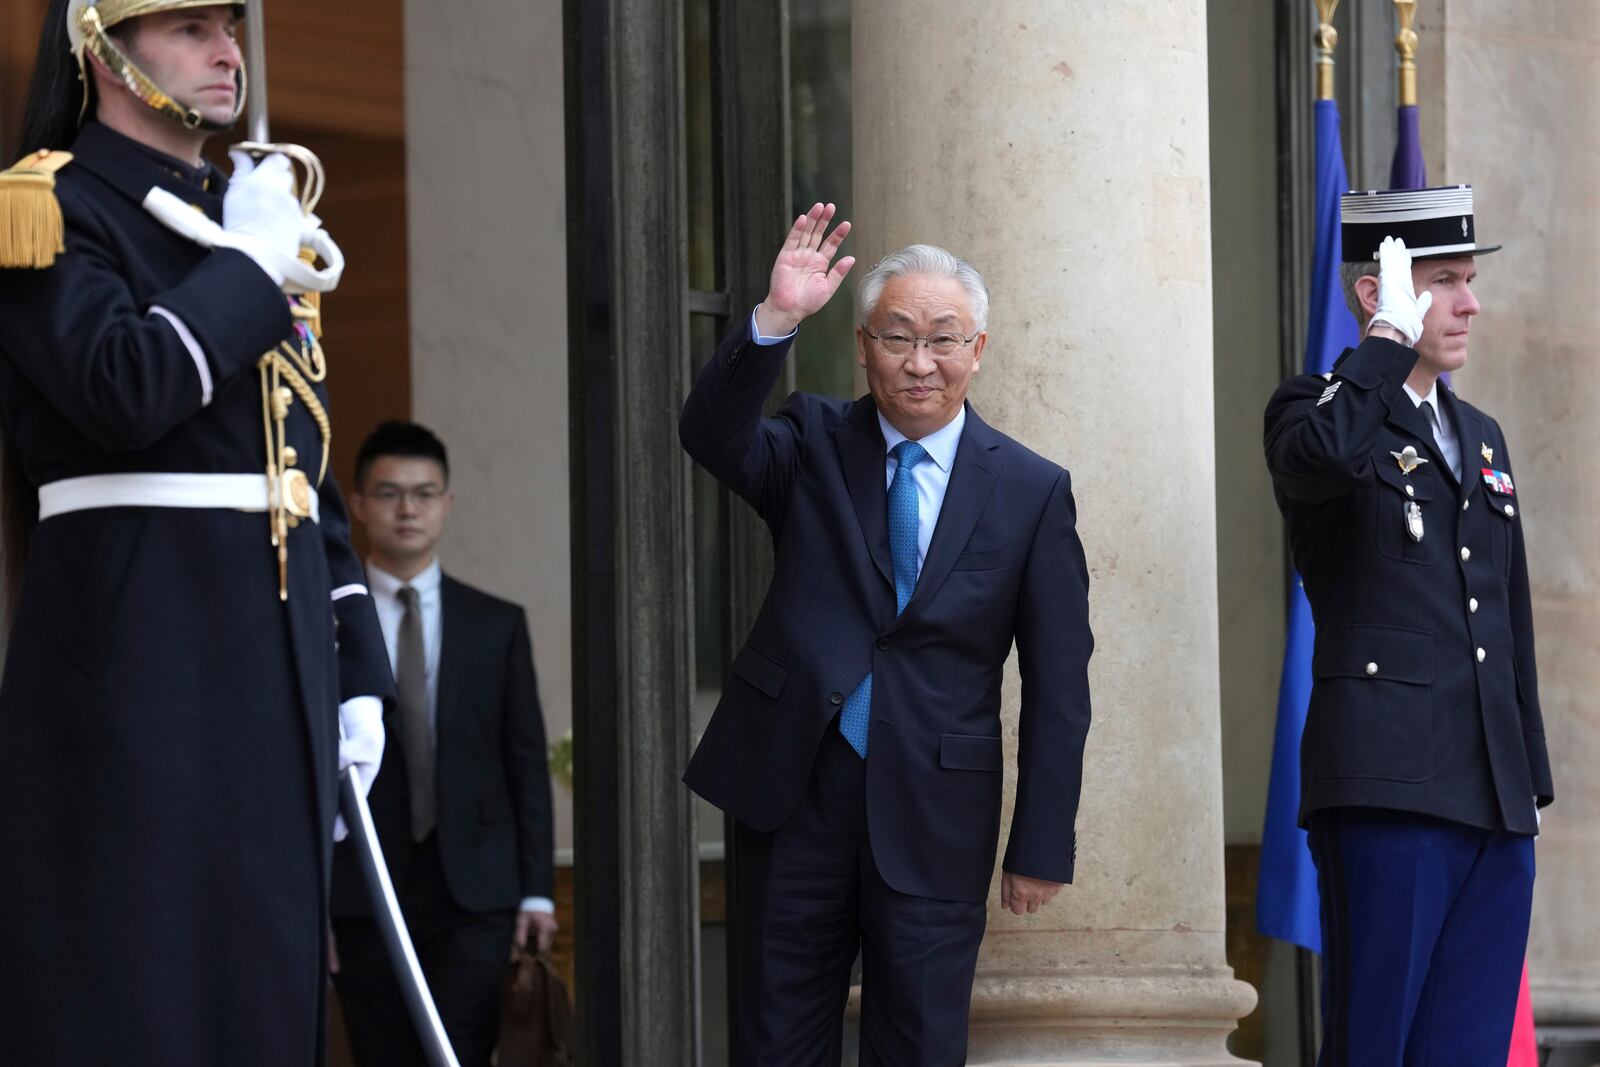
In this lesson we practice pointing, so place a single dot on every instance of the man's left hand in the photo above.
(1024, 895)
(541, 924)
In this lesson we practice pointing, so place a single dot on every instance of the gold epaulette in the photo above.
(31, 229)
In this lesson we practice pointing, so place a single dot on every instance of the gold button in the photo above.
(1372, 668)
(1466, 553)
(1472, 605)
(1510, 511)
(1411, 491)
(1481, 654)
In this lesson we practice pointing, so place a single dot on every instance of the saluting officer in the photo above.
(1424, 754)
(173, 693)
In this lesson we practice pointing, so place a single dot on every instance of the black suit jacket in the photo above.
(1405, 713)
(493, 784)
(1004, 563)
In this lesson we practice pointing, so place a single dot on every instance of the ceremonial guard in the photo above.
(1423, 760)
(190, 632)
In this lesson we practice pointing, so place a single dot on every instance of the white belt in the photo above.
(239, 492)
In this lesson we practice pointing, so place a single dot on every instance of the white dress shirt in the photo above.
(762, 339)
(386, 598)
(931, 476)
(1444, 435)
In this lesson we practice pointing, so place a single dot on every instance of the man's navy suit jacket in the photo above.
(1004, 564)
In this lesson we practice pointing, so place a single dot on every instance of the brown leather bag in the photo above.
(535, 1015)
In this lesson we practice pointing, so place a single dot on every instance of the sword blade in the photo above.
(391, 923)
(352, 798)
(255, 66)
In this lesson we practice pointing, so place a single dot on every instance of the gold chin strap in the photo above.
(289, 372)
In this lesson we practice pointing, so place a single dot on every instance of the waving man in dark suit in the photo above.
(857, 743)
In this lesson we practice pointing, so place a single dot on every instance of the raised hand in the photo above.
(1399, 306)
(802, 280)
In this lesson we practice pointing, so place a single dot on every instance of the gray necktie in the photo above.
(1438, 437)
(416, 737)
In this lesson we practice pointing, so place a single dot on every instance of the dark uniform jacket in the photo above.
(1425, 695)
(492, 789)
(1004, 564)
(168, 727)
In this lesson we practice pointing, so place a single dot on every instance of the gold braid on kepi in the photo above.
(88, 26)
(31, 227)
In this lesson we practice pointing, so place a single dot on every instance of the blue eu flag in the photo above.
(1286, 895)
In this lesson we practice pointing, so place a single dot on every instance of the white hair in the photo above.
(924, 259)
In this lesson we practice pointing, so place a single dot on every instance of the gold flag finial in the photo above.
(1405, 43)
(1327, 37)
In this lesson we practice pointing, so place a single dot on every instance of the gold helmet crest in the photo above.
(88, 23)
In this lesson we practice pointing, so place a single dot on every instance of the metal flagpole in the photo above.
(352, 797)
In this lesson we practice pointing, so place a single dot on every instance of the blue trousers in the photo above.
(1424, 929)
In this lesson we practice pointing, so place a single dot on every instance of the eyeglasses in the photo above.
(902, 343)
(423, 497)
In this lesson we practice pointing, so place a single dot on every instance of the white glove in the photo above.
(1399, 305)
(260, 213)
(360, 745)
(292, 274)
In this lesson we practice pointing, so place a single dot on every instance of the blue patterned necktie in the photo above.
(904, 522)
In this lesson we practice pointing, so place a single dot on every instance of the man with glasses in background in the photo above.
(462, 803)
(857, 743)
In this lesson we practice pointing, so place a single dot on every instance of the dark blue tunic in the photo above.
(168, 727)
(1426, 692)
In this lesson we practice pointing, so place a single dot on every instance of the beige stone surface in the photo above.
(1520, 117)
(486, 216)
(1063, 150)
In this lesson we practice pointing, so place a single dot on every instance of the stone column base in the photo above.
(1565, 1001)
(1179, 1019)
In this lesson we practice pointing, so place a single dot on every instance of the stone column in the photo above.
(1062, 148)
(488, 300)
(1518, 107)
(549, 325)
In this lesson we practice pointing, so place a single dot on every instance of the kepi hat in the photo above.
(1434, 223)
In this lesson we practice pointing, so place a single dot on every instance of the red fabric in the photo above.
(1524, 1049)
